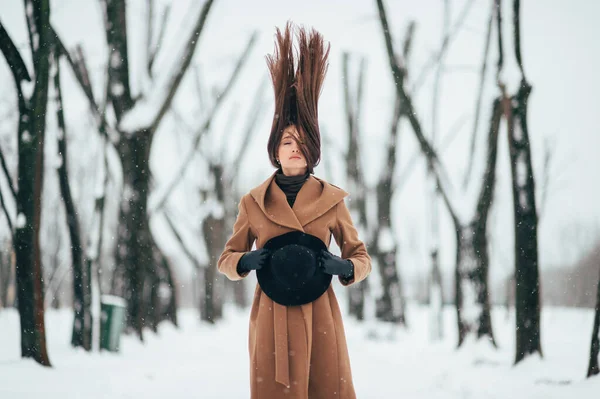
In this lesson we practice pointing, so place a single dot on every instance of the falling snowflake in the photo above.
(26, 137)
(21, 221)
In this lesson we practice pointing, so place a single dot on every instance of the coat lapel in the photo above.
(314, 199)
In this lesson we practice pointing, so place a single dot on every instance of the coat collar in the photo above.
(314, 199)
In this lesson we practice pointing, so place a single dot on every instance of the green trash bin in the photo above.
(112, 321)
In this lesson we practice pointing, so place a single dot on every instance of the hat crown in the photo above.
(295, 264)
(292, 275)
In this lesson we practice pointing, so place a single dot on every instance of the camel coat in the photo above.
(297, 352)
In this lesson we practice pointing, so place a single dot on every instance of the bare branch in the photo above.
(479, 97)
(14, 59)
(149, 34)
(80, 70)
(198, 83)
(408, 38)
(7, 174)
(205, 125)
(159, 41)
(184, 247)
(182, 67)
(426, 148)
(331, 144)
(517, 36)
(8, 220)
(435, 58)
(349, 107)
(500, 64)
(549, 151)
(360, 89)
(251, 123)
(214, 156)
(399, 110)
(446, 141)
(487, 189)
(438, 74)
(115, 24)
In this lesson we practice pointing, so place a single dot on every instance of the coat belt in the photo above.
(282, 365)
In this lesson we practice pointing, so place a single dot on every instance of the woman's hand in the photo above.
(253, 260)
(332, 264)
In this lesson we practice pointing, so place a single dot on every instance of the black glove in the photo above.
(332, 264)
(253, 260)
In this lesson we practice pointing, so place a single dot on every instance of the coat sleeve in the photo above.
(238, 244)
(352, 247)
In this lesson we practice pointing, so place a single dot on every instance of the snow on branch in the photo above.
(14, 59)
(151, 107)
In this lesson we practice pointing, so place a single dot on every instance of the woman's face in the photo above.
(290, 157)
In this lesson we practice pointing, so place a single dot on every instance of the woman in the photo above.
(296, 351)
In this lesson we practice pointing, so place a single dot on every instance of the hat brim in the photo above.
(310, 289)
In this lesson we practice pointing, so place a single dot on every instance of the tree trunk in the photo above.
(436, 298)
(472, 297)
(435, 289)
(171, 310)
(160, 292)
(527, 300)
(239, 293)
(31, 130)
(134, 245)
(594, 368)
(82, 323)
(6, 276)
(356, 295)
(390, 307)
(212, 300)
(472, 256)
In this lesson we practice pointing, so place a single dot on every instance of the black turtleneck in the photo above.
(290, 185)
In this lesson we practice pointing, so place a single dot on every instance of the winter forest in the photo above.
(463, 131)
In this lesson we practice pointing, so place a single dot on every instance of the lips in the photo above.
(295, 157)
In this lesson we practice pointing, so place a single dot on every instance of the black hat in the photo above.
(292, 275)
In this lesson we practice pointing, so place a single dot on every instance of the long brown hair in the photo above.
(297, 90)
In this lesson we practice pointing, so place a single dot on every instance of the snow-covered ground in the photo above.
(201, 361)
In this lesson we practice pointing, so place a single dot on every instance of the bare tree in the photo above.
(31, 131)
(381, 239)
(594, 368)
(355, 175)
(140, 266)
(525, 213)
(435, 275)
(82, 323)
(472, 299)
(219, 197)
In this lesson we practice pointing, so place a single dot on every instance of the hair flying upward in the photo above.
(297, 84)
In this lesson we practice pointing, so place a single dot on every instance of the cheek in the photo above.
(283, 150)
